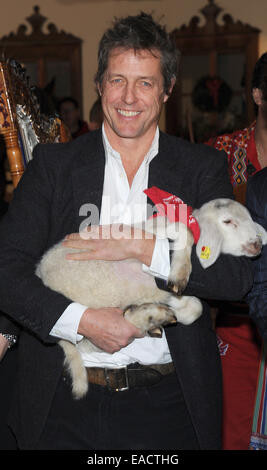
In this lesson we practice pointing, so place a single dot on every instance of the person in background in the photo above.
(95, 115)
(239, 342)
(69, 112)
(257, 300)
(144, 392)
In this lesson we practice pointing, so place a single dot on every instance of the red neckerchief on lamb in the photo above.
(169, 205)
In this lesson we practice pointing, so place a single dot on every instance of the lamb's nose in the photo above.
(258, 244)
(255, 247)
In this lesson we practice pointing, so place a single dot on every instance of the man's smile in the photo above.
(126, 113)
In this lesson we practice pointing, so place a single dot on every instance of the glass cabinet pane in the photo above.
(31, 72)
(61, 72)
(231, 68)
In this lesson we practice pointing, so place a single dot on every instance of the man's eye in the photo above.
(116, 81)
(146, 84)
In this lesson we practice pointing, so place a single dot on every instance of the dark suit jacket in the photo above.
(257, 205)
(8, 368)
(59, 180)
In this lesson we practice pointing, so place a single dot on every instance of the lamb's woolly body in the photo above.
(129, 283)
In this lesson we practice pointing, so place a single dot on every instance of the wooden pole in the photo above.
(8, 126)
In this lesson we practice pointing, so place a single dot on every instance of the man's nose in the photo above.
(129, 93)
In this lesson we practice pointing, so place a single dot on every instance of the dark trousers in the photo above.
(145, 418)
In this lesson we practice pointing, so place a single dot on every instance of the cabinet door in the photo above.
(223, 52)
(52, 59)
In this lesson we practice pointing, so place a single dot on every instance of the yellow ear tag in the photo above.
(205, 252)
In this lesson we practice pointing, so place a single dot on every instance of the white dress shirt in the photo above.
(127, 205)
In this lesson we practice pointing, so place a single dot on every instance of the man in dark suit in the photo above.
(144, 393)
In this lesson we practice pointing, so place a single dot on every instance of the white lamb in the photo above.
(225, 227)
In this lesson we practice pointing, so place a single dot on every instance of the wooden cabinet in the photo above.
(51, 58)
(215, 51)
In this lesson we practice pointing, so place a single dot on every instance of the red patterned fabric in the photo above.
(241, 152)
(169, 205)
(240, 349)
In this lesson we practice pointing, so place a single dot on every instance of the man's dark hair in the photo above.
(139, 32)
(259, 77)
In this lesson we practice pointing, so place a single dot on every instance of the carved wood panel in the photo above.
(21, 123)
(212, 46)
(46, 52)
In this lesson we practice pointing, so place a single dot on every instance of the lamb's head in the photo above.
(227, 227)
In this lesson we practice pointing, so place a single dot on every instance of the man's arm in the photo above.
(257, 297)
(24, 232)
(23, 236)
(7, 327)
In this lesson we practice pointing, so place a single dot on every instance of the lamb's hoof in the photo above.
(129, 309)
(155, 333)
(178, 287)
(149, 316)
(172, 320)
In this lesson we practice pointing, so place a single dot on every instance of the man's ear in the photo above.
(257, 96)
(173, 80)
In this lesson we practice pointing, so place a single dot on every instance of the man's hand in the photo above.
(111, 243)
(3, 346)
(107, 329)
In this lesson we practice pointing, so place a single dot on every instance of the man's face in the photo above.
(132, 94)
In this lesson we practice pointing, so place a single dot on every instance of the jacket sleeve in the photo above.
(231, 277)
(8, 326)
(24, 233)
(257, 297)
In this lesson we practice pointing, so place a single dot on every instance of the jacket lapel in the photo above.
(88, 180)
(163, 168)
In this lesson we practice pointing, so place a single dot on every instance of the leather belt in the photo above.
(133, 375)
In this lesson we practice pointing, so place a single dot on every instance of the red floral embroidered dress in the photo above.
(241, 151)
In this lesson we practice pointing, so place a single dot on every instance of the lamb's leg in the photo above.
(76, 369)
(181, 266)
(187, 309)
(149, 317)
(181, 244)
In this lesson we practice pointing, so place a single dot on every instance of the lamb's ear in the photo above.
(209, 244)
(261, 232)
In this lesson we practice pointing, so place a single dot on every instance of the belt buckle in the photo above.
(121, 389)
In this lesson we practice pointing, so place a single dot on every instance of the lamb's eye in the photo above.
(228, 221)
